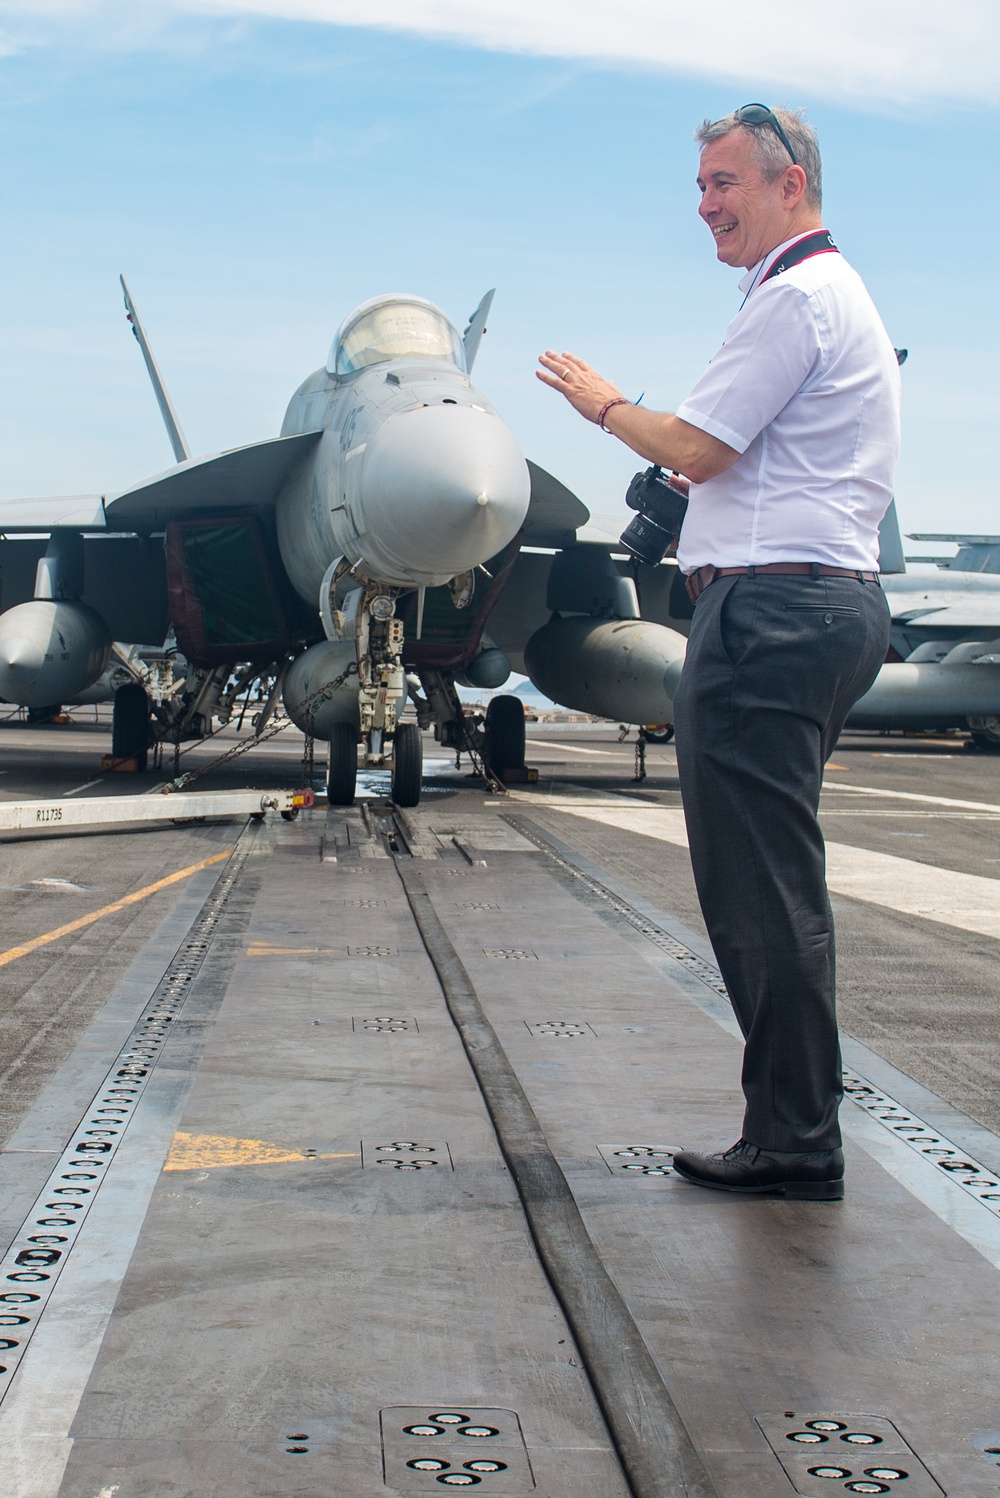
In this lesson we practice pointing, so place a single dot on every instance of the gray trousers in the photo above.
(774, 665)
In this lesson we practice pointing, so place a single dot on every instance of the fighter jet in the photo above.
(943, 669)
(347, 563)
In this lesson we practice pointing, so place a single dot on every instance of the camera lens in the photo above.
(646, 539)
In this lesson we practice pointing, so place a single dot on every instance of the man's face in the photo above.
(743, 211)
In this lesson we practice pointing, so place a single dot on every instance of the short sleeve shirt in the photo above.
(806, 389)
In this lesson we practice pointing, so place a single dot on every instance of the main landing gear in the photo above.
(504, 746)
(130, 727)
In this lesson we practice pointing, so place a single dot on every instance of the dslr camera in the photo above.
(661, 508)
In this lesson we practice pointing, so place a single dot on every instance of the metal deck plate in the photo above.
(640, 1161)
(823, 1453)
(383, 1024)
(561, 1029)
(429, 1447)
(406, 1154)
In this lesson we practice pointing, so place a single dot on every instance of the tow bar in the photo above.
(23, 816)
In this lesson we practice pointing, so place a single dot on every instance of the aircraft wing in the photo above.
(82, 512)
(965, 613)
(245, 478)
(554, 512)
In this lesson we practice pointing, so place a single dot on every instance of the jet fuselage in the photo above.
(415, 477)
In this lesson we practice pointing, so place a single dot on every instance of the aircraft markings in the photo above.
(13, 953)
(219, 1151)
(870, 790)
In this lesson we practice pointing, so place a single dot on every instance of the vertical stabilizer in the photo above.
(473, 335)
(890, 542)
(177, 439)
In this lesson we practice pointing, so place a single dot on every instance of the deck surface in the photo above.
(274, 1283)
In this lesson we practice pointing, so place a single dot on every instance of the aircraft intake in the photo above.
(51, 651)
(627, 669)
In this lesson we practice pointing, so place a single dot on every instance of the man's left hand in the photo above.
(586, 390)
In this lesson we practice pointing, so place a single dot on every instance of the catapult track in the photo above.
(370, 1191)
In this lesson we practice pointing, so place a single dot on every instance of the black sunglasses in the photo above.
(759, 114)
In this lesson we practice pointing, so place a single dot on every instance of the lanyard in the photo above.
(820, 243)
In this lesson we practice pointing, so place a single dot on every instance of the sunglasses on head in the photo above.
(759, 114)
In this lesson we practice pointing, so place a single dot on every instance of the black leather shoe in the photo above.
(815, 1176)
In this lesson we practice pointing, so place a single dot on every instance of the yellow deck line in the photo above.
(13, 953)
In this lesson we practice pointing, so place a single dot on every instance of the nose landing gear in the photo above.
(378, 639)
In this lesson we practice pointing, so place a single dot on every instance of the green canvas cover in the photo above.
(224, 601)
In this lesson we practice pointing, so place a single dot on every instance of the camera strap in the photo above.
(820, 243)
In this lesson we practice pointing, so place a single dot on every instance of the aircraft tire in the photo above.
(130, 724)
(342, 772)
(407, 765)
(505, 734)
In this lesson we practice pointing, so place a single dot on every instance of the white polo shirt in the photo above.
(806, 389)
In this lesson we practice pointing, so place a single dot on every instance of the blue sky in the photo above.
(257, 167)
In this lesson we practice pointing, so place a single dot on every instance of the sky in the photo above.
(258, 167)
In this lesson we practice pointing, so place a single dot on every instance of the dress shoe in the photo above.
(816, 1175)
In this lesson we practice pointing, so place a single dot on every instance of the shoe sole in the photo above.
(806, 1191)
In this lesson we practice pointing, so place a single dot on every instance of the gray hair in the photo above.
(772, 158)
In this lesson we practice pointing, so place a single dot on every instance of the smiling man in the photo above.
(790, 440)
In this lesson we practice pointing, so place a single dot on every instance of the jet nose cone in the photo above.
(444, 487)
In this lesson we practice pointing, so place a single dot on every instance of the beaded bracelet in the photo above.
(619, 400)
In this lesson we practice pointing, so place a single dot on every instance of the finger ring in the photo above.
(566, 373)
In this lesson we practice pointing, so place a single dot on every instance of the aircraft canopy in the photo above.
(394, 328)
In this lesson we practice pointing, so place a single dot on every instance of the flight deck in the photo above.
(338, 1161)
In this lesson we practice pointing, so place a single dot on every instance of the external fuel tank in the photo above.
(627, 669)
(50, 651)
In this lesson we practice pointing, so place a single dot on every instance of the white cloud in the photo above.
(884, 51)
(864, 52)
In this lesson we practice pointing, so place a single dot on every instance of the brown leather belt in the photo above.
(697, 582)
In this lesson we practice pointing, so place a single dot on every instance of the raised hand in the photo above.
(586, 390)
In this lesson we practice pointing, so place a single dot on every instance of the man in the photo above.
(790, 440)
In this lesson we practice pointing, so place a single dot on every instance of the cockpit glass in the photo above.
(398, 330)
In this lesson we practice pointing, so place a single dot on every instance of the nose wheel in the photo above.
(342, 772)
(407, 765)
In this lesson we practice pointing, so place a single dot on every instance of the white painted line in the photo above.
(970, 902)
(572, 748)
(881, 815)
(871, 790)
(85, 787)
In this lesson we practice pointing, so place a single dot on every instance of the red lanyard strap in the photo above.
(820, 243)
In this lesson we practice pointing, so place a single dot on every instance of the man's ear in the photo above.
(793, 186)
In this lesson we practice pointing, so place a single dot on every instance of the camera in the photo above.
(661, 509)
